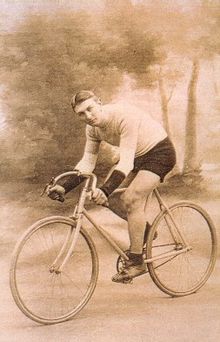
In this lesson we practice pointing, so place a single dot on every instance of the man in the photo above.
(146, 155)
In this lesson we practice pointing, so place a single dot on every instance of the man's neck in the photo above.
(105, 117)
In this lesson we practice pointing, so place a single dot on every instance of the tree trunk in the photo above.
(191, 163)
(165, 115)
(164, 105)
(215, 84)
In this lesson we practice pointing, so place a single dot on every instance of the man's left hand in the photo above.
(99, 197)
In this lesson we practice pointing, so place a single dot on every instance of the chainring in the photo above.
(120, 263)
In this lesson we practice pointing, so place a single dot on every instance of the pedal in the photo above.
(122, 279)
(128, 281)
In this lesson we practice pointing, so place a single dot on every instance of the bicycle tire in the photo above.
(47, 297)
(185, 273)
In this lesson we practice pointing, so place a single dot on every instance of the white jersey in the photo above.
(128, 127)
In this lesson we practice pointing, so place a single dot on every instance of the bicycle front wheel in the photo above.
(43, 295)
(184, 273)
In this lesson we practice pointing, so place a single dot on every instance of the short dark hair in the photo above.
(82, 96)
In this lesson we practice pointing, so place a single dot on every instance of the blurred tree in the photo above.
(191, 162)
(42, 64)
(135, 48)
(50, 57)
(193, 33)
(144, 56)
(205, 44)
(168, 76)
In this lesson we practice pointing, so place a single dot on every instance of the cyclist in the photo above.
(146, 156)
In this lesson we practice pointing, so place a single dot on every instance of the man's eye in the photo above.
(89, 108)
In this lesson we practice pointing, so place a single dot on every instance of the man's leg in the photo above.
(115, 202)
(117, 205)
(134, 199)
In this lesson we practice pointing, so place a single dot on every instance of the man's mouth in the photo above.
(91, 122)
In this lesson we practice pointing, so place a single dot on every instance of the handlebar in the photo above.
(91, 176)
(55, 180)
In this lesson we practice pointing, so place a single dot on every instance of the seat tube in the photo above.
(177, 228)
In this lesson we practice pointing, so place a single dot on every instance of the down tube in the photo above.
(106, 235)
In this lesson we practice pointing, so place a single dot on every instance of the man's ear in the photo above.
(99, 101)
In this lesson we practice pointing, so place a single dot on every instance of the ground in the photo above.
(137, 312)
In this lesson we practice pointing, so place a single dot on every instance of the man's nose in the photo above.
(88, 115)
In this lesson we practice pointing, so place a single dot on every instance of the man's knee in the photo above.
(116, 205)
(137, 193)
(132, 201)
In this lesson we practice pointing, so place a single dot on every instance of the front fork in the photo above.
(69, 244)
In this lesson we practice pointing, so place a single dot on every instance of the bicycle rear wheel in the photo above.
(41, 294)
(185, 273)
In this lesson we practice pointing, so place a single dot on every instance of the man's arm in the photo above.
(127, 148)
(85, 165)
(88, 161)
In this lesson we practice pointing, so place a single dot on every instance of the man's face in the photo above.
(90, 112)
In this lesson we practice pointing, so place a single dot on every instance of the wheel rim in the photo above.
(187, 272)
(47, 296)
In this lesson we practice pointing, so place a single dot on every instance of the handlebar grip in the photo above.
(106, 205)
(61, 199)
(91, 176)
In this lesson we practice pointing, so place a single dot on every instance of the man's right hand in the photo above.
(56, 192)
(99, 197)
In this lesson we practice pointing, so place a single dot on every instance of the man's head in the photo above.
(82, 96)
(87, 107)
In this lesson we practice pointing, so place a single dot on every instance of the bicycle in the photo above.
(54, 268)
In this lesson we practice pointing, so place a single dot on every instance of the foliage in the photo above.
(43, 63)
(51, 56)
(140, 48)
(187, 184)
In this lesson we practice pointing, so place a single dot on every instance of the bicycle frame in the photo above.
(57, 241)
(80, 211)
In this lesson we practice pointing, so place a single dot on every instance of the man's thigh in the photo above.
(115, 202)
(138, 185)
(127, 181)
(142, 184)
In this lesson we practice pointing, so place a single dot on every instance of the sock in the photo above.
(147, 228)
(136, 258)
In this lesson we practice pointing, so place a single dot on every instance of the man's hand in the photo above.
(99, 197)
(56, 192)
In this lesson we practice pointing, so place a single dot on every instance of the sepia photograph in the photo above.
(109, 170)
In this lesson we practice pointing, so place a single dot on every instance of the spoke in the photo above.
(68, 277)
(62, 293)
(44, 246)
(47, 295)
(188, 272)
(165, 262)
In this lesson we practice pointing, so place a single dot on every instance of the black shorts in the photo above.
(160, 159)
